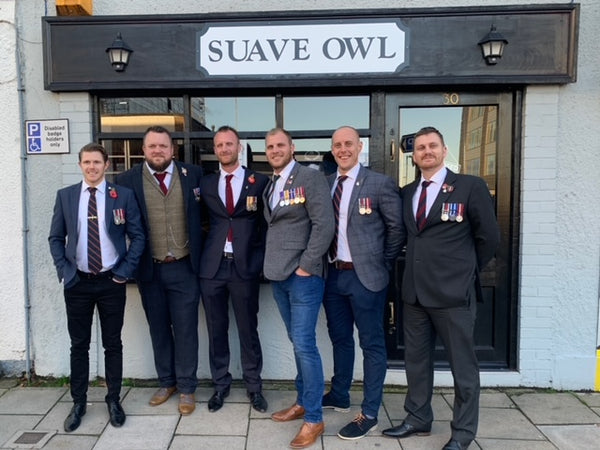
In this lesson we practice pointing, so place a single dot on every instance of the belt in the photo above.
(343, 265)
(227, 255)
(96, 276)
(169, 259)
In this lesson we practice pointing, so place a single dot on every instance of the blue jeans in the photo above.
(299, 301)
(348, 302)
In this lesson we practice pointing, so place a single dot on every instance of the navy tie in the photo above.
(229, 204)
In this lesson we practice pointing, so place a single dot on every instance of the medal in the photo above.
(445, 211)
(296, 195)
(119, 216)
(251, 202)
(287, 197)
(361, 206)
(281, 199)
(302, 194)
(453, 211)
(460, 213)
(368, 209)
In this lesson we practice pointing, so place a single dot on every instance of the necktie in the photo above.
(229, 204)
(422, 206)
(94, 251)
(271, 191)
(161, 181)
(337, 198)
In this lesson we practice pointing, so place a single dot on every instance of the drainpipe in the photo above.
(25, 231)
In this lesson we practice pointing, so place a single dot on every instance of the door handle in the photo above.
(392, 319)
(393, 150)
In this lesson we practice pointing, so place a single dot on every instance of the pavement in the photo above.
(510, 419)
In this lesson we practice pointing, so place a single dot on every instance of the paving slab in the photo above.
(136, 402)
(208, 442)
(589, 398)
(71, 442)
(573, 437)
(281, 400)
(93, 423)
(30, 400)
(495, 400)
(440, 433)
(394, 405)
(230, 420)
(10, 424)
(513, 444)
(334, 421)
(265, 434)
(555, 408)
(139, 433)
(506, 423)
(95, 394)
(368, 442)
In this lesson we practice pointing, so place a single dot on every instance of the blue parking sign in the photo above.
(34, 145)
(34, 129)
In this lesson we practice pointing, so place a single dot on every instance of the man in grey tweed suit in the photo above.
(300, 227)
(368, 239)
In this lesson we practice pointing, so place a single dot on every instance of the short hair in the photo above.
(93, 147)
(226, 128)
(349, 127)
(276, 130)
(157, 129)
(429, 130)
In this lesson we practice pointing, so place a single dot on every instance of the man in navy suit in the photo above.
(95, 277)
(452, 234)
(369, 236)
(168, 194)
(231, 264)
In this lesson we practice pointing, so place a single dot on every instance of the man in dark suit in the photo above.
(90, 225)
(368, 238)
(300, 228)
(231, 264)
(168, 194)
(452, 234)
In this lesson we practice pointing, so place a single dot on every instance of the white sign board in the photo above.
(47, 136)
(320, 48)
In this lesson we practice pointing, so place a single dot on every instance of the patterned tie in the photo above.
(271, 191)
(422, 206)
(161, 181)
(229, 203)
(337, 198)
(94, 251)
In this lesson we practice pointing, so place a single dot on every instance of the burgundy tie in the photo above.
(161, 181)
(229, 204)
(94, 250)
(337, 198)
(422, 206)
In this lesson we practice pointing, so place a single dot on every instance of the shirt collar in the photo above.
(237, 173)
(101, 188)
(168, 170)
(437, 178)
(285, 173)
(352, 173)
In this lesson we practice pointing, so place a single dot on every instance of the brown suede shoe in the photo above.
(162, 395)
(308, 435)
(292, 413)
(187, 404)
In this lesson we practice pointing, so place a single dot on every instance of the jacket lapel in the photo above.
(356, 189)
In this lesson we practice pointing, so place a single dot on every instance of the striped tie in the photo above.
(422, 206)
(337, 199)
(94, 252)
(229, 204)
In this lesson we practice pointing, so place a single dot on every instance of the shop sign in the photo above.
(351, 47)
(47, 136)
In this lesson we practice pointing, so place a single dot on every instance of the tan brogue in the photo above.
(187, 404)
(308, 434)
(292, 413)
(162, 395)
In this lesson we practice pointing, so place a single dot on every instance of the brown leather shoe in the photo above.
(292, 413)
(308, 434)
(187, 404)
(162, 395)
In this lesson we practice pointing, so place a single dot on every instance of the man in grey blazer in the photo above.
(368, 238)
(300, 227)
(452, 234)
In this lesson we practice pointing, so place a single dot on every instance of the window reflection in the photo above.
(325, 113)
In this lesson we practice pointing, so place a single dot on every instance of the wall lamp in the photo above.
(118, 53)
(492, 46)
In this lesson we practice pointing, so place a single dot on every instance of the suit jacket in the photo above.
(299, 235)
(444, 259)
(375, 239)
(249, 227)
(64, 233)
(190, 176)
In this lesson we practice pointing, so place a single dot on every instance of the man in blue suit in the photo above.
(168, 194)
(231, 264)
(93, 262)
(369, 236)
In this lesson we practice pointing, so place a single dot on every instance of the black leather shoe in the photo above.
(258, 402)
(216, 401)
(453, 444)
(116, 413)
(73, 420)
(406, 429)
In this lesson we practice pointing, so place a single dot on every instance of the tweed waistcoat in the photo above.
(166, 216)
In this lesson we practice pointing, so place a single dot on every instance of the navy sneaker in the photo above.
(358, 428)
(329, 402)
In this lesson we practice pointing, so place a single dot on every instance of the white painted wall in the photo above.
(559, 236)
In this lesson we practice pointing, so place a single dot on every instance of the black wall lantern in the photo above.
(492, 46)
(118, 53)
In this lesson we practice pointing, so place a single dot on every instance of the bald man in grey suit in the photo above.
(300, 228)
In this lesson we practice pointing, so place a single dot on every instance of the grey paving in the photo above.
(510, 419)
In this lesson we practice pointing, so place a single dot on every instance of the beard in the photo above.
(159, 167)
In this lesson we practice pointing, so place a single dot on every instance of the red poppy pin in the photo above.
(251, 179)
(447, 188)
(112, 192)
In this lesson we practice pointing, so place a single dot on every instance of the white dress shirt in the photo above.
(437, 180)
(236, 186)
(343, 249)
